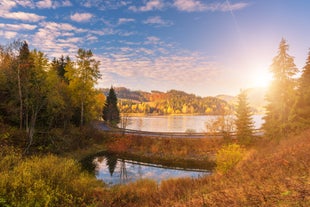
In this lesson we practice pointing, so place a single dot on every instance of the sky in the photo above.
(205, 47)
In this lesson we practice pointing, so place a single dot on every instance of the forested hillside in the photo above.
(170, 102)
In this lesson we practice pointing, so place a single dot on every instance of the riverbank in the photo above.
(270, 173)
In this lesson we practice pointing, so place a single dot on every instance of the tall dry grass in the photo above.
(273, 174)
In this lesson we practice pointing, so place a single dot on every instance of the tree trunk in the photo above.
(32, 128)
(20, 99)
(82, 114)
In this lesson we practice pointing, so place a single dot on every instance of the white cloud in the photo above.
(189, 5)
(81, 17)
(44, 4)
(8, 34)
(105, 4)
(58, 38)
(152, 40)
(197, 5)
(158, 21)
(149, 6)
(66, 3)
(30, 17)
(125, 20)
(17, 27)
(6, 5)
(137, 67)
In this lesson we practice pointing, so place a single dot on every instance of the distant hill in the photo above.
(170, 102)
(180, 102)
(256, 99)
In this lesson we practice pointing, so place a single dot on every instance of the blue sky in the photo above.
(205, 47)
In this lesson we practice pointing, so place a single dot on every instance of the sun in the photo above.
(261, 77)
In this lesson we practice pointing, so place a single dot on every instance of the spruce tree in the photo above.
(110, 109)
(244, 122)
(281, 95)
(303, 103)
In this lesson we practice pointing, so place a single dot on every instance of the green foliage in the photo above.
(46, 181)
(110, 109)
(281, 96)
(244, 123)
(228, 157)
(303, 106)
(82, 76)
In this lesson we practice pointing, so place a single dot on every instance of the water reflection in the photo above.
(113, 171)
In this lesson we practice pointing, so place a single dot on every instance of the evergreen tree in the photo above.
(244, 122)
(59, 66)
(303, 103)
(281, 95)
(110, 109)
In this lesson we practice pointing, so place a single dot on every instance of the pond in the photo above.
(113, 169)
(177, 123)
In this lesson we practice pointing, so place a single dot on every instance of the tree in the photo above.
(281, 96)
(23, 71)
(37, 92)
(82, 76)
(244, 122)
(110, 109)
(59, 66)
(303, 103)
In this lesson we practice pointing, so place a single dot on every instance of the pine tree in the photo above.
(244, 122)
(281, 95)
(110, 109)
(303, 103)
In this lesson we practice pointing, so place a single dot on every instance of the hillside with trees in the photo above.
(170, 102)
(46, 113)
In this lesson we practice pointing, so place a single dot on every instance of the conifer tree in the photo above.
(110, 109)
(281, 96)
(303, 103)
(244, 122)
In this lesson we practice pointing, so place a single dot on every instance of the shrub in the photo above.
(228, 157)
(139, 193)
(47, 181)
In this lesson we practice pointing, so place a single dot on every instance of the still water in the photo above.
(177, 123)
(113, 170)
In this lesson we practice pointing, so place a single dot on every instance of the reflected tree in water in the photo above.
(111, 163)
(123, 171)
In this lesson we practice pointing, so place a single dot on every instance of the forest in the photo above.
(170, 102)
(47, 112)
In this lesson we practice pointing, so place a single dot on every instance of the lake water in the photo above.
(113, 170)
(174, 123)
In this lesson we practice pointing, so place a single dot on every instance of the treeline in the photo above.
(171, 102)
(38, 95)
(288, 108)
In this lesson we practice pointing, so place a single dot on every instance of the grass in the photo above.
(268, 174)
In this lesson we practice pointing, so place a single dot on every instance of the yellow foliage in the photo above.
(228, 157)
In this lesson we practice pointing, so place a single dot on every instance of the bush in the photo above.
(47, 181)
(139, 193)
(228, 157)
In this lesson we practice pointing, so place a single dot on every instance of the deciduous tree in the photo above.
(82, 76)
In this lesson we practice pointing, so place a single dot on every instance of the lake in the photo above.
(177, 123)
(114, 170)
